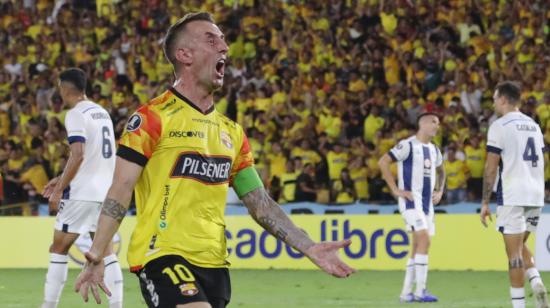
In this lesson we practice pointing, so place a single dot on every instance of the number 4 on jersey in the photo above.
(530, 153)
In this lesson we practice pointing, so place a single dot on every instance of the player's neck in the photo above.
(196, 94)
(510, 109)
(72, 101)
(423, 138)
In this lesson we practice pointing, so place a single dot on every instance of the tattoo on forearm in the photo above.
(270, 216)
(487, 189)
(440, 184)
(271, 225)
(488, 183)
(114, 209)
(516, 263)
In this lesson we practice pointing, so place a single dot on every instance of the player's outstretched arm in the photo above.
(113, 211)
(489, 175)
(269, 215)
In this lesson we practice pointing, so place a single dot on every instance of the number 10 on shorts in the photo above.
(179, 274)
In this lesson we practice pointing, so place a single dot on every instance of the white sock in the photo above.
(113, 280)
(533, 276)
(421, 273)
(518, 297)
(55, 279)
(409, 277)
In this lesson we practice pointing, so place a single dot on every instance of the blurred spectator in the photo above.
(288, 183)
(343, 189)
(456, 177)
(359, 175)
(305, 185)
(475, 162)
(337, 160)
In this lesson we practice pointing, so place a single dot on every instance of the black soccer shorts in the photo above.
(170, 280)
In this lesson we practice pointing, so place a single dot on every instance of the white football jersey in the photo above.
(417, 163)
(89, 123)
(520, 143)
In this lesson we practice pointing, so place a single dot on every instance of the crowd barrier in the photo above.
(235, 207)
(364, 208)
(379, 242)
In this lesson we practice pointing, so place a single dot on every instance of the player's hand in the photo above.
(404, 194)
(436, 197)
(49, 188)
(325, 256)
(485, 211)
(91, 277)
(54, 199)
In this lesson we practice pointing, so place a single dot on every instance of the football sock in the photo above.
(409, 277)
(421, 272)
(113, 280)
(518, 297)
(55, 280)
(533, 276)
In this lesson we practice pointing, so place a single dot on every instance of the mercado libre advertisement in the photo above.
(379, 242)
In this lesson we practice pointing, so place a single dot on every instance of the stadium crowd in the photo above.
(323, 88)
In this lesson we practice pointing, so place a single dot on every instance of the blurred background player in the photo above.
(77, 193)
(515, 147)
(178, 248)
(420, 171)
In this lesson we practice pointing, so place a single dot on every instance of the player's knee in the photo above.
(515, 262)
(422, 239)
(59, 248)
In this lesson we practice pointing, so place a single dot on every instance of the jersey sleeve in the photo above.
(400, 151)
(141, 136)
(243, 160)
(494, 139)
(75, 126)
(244, 177)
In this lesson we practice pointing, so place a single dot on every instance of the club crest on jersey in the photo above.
(208, 170)
(226, 140)
(134, 122)
(189, 289)
(427, 163)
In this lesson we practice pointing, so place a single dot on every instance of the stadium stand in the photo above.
(331, 83)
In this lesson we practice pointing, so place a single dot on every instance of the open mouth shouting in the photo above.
(220, 67)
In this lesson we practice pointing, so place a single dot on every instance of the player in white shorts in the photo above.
(79, 192)
(515, 146)
(419, 160)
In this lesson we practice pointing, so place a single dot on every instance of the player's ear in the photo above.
(184, 55)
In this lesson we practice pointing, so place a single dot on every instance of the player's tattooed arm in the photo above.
(113, 209)
(491, 167)
(268, 214)
(440, 183)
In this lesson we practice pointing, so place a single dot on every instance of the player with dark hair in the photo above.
(420, 172)
(77, 194)
(515, 159)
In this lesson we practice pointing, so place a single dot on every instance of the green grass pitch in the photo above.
(286, 288)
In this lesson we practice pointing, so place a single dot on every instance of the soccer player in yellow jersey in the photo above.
(180, 155)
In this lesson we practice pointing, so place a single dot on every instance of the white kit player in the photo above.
(420, 171)
(78, 193)
(515, 151)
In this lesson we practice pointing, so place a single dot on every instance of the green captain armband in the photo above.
(246, 181)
